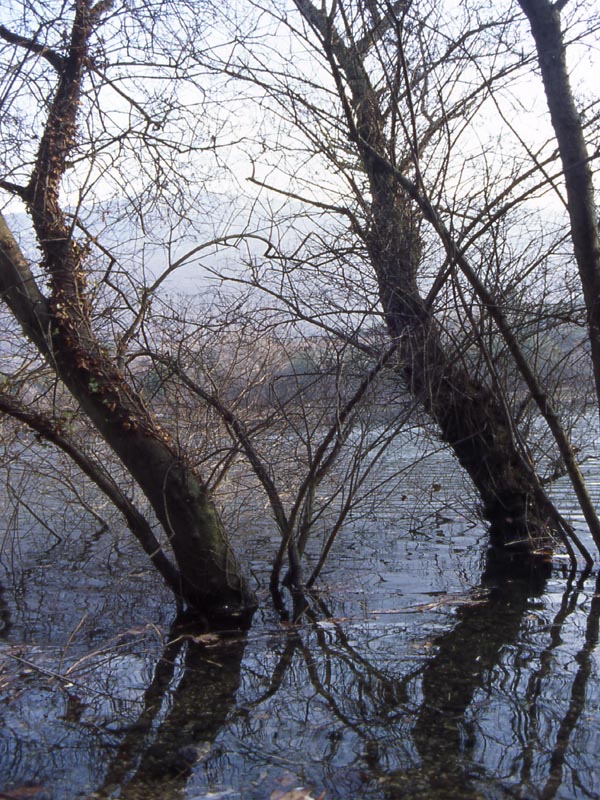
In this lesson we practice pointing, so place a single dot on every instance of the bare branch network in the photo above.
(245, 251)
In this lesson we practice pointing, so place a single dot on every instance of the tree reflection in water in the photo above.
(157, 759)
(493, 694)
(483, 710)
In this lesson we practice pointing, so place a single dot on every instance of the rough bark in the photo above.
(60, 325)
(544, 20)
(209, 577)
(51, 430)
(471, 419)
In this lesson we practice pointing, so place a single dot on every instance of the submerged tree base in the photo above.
(518, 562)
(215, 618)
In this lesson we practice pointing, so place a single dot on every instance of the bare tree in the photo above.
(177, 389)
(304, 414)
(545, 21)
(377, 235)
(388, 113)
(60, 322)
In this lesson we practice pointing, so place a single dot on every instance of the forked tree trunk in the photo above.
(60, 326)
(210, 579)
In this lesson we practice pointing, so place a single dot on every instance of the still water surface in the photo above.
(418, 671)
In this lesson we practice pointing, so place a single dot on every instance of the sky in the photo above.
(171, 160)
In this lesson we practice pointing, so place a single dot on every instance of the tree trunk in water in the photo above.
(471, 419)
(61, 327)
(211, 581)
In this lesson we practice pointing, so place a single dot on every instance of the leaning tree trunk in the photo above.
(544, 19)
(210, 580)
(60, 326)
(471, 419)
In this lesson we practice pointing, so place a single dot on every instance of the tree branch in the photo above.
(51, 56)
(19, 290)
(51, 431)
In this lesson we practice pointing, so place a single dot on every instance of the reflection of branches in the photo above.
(577, 699)
(468, 656)
(534, 686)
(5, 617)
(464, 657)
(378, 695)
(136, 741)
(379, 708)
(393, 689)
(359, 694)
(427, 716)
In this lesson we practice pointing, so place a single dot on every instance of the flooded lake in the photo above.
(418, 670)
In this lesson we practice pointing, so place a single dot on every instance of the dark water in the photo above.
(417, 671)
